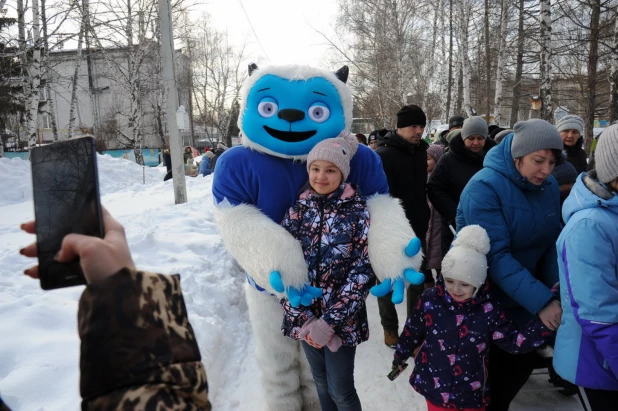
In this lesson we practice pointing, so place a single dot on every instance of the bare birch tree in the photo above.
(464, 25)
(502, 55)
(217, 77)
(74, 81)
(546, 63)
(613, 76)
(47, 77)
(34, 76)
(518, 65)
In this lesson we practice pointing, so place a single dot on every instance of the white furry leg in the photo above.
(311, 402)
(277, 356)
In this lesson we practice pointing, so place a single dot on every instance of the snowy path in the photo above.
(39, 347)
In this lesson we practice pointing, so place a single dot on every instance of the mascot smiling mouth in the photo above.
(290, 136)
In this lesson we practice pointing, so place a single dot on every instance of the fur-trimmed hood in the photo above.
(588, 193)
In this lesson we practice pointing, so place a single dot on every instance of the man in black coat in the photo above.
(464, 159)
(404, 158)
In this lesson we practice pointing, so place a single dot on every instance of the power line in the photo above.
(254, 33)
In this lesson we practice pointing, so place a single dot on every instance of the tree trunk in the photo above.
(23, 60)
(465, 63)
(90, 65)
(613, 105)
(443, 70)
(50, 100)
(459, 101)
(35, 78)
(591, 88)
(78, 63)
(487, 62)
(501, 62)
(518, 66)
(450, 61)
(546, 52)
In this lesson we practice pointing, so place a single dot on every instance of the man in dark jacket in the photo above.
(404, 158)
(464, 159)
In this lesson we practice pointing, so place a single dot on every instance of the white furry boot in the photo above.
(287, 386)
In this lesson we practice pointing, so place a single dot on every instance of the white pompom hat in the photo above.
(466, 261)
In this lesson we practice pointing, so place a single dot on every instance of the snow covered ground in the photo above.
(39, 346)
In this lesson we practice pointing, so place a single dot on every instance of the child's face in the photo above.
(324, 176)
(431, 163)
(458, 290)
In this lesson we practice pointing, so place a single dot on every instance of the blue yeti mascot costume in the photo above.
(285, 111)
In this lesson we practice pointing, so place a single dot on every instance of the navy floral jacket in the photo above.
(451, 366)
(333, 233)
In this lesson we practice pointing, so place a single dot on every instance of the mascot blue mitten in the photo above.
(285, 112)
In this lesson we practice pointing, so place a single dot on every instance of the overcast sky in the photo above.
(283, 27)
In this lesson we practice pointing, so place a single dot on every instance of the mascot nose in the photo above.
(291, 115)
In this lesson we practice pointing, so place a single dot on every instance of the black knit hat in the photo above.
(411, 115)
(455, 121)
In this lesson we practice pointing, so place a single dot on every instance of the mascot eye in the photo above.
(319, 113)
(267, 108)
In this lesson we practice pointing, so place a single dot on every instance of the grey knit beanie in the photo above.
(606, 155)
(534, 135)
(571, 122)
(338, 151)
(474, 126)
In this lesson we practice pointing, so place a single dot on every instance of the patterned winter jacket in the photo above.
(451, 367)
(333, 233)
(138, 348)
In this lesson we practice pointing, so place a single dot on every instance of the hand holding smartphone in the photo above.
(397, 371)
(66, 200)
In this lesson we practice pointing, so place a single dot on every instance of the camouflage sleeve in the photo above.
(138, 349)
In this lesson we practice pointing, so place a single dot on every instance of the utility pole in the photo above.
(169, 84)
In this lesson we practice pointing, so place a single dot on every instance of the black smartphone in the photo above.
(396, 371)
(66, 195)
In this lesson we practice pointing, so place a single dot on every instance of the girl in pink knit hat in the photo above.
(331, 221)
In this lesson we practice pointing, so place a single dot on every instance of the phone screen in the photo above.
(66, 200)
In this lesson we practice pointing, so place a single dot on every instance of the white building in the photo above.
(104, 97)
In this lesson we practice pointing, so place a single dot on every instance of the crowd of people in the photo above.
(550, 252)
(521, 251)
(202, 165)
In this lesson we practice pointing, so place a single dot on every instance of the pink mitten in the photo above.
(319, 332)
(335, 343)
(304, 330)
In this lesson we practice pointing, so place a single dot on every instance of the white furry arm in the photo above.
(261, 246)
(389, 234)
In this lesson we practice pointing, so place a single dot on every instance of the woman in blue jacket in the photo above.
(516, 200)
(586, 351)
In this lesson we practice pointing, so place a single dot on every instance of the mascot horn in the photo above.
(285, 111)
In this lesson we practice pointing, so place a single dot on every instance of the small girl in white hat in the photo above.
(454, 324)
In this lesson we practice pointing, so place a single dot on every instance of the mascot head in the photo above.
(286, 110)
